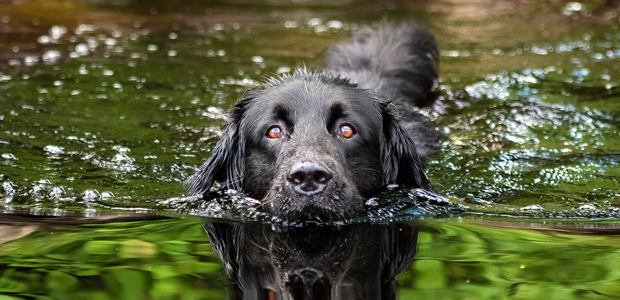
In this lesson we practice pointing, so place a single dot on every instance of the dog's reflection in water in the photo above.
(350, 262)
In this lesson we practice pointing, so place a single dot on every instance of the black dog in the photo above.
(314, 145)
(353, 262)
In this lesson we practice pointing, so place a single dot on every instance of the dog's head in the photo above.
(312, 146)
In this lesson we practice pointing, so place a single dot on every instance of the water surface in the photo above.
(106, 107)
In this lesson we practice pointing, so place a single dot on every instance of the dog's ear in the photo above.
(400, 160)
(227, 161)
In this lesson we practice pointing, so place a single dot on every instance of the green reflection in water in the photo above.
(173, 259)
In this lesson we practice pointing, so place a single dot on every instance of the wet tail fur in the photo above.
(400, 64)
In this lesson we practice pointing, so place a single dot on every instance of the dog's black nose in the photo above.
(309, 178)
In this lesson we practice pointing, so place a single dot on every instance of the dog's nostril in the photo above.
(297, 177)
(322, 176)
(309, 178)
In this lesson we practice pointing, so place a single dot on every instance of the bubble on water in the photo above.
(31, 60)
(4, 77)
(532, 207)
(581, 72)
(539, 50)
(107, 196)
(122, 158)
(44, 39)
(51, 56)
(314, 22)
(8, 187)
(43, 182)
(38, 191)
(57, 192)
(108, 73)
(75, 92)
(57, 83)
(54, 149)
(173, 36)
(574, 6)
(8, 156)
(320, 28)
(92, 43)
(81, 49)
(91, 195)
(213, 112)
(151, 48)
(9, 191)
(335, 24)
(612, 54)
(291, 24)
(172, 52)
(121, 149)
(14, 62)
(221, 52)
(84, 28)
(587, 207)
(110, 42)
(57, 31)
(449, 53)
(257, 59)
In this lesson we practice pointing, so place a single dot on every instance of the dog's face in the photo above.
(312, 147)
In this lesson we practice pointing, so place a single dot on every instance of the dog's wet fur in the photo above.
(288, 144)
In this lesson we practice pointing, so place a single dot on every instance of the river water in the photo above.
(106, 107)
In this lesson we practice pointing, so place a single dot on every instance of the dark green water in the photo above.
(109, 106)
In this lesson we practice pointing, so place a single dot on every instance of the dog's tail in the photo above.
(399, 62)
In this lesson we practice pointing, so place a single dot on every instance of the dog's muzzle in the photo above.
(309, 178)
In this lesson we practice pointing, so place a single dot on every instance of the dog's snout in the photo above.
(309, 178)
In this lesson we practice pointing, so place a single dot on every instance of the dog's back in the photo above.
(400, 64)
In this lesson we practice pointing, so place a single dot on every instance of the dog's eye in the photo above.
(274, 132)
(346, 131)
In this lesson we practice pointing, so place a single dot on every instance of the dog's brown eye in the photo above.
(274, 132)
(346, 131)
